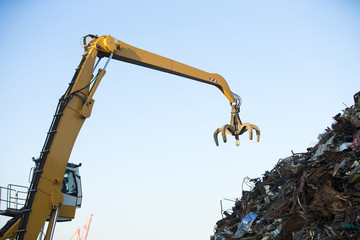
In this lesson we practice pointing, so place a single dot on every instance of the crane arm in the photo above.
(112, 47)
(127, 53)
(45, 200)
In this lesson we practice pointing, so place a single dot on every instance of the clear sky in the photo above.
(150, 167)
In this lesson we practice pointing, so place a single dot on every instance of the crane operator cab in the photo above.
(71, 189)
(71, 186)
(13, 197)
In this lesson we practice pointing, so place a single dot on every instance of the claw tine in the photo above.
(250, 133)
(258, 135)
(249, 128)
(257, 132)
(223, 132)
(242, 129)
(231, 129)
(227, 128)
(255, 127)
(215, 137)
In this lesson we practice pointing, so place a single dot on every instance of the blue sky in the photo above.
(150, 166)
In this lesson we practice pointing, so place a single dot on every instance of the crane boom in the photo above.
(45, 199)
(127, 53)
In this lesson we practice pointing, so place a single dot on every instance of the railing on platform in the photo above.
(12, 197)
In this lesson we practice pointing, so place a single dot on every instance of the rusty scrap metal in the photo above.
(310, 195)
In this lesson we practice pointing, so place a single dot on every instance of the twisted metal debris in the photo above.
(312, 195)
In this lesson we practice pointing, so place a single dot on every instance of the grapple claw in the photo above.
(224, 130)
(236, 127)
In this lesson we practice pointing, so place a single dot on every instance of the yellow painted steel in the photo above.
(67, 211)
(128, 53)
(11, 232)
(52, 222)
(48, 196)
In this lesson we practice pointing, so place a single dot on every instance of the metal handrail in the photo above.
(15, 196)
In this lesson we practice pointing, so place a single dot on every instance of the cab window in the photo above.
(69, 184)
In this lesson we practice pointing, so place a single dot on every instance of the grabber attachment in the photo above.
(236, 127)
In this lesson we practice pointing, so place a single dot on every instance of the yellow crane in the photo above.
(49, 195)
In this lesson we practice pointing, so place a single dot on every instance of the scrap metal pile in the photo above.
(311, 195)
